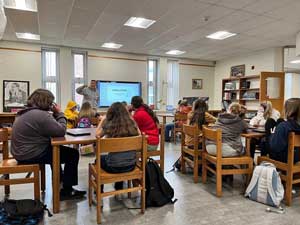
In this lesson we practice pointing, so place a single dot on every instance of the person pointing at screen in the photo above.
(90, 93)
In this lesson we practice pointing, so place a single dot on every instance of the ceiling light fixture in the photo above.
(111, 45)
(139, 22)
(295, 61)
(27, 5)
(175, 52)
(220, 35)
(28, 36)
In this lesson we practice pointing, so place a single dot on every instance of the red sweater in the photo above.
(147, 125)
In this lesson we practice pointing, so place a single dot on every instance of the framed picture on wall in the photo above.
(237, 71)
(15, 94)
(197, 83)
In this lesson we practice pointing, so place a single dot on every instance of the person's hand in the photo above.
(55, 108)
(101, 118)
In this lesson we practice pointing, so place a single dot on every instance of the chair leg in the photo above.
(143, 197)
(36, 174)
(219, 181)
(90, 194)
(196, 165)
(204, 170)
(7, 187)
(98, 196)
(288, 189)
(129, 186)
(43, 177)
(183, 169)
(249, 175)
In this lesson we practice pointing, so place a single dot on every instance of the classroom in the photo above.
(149, 112)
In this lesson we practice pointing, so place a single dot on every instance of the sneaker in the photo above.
(71, 194)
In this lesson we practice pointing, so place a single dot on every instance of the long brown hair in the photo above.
(118, 122)
(137, 102)
(198, 113)
(41, 98)
(292, 109)
(86, 111)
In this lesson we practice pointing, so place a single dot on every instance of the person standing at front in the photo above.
(90, 93)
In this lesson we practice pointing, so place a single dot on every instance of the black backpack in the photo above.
(158, 190)
(25, 211)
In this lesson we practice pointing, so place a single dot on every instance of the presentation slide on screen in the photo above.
(111, 92)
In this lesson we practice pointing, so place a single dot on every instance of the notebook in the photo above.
(78, 132)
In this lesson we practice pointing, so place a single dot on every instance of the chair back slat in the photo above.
(3, 135)
(180, 116)
(119, 144)
(296, 139)
(4, 140)
(190, 130)
(211, 134)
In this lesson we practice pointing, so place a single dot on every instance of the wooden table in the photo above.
(164, 116)
(7, 117)
(66, 140)
(249, 135)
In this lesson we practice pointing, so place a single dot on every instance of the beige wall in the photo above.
(265, 60)
(26, 65)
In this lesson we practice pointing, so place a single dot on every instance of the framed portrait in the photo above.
(237, 71)
(15, 94)
(197, 83)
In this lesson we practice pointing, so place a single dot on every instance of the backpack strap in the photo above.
(256, 173)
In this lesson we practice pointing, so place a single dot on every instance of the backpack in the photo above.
(158, 190)
(84, 122)
(25, 211)
(265, 185)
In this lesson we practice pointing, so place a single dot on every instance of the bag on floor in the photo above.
(158, 190)
(25, 211)
(265, 185)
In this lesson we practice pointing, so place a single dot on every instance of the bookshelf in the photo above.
(251, 90)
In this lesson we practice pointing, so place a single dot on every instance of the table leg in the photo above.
(56, 179)
(164, 120)
(248, 140)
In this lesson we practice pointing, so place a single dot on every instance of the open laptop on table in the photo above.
(78, 132)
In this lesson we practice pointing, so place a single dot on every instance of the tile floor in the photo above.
(197, 203)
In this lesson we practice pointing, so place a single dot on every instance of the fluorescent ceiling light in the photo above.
(175, 52)
(220, 35)
(27, 5)
(111, 45)
(139, 22)
(295, 61)
(28, 36)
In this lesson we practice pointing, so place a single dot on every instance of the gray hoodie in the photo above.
(232, 127)
(32, 132)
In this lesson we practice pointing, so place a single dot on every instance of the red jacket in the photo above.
(147, 125)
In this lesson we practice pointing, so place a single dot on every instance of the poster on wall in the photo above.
(15, 94)
(197, 83)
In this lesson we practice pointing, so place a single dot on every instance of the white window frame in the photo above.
(173, 84)
(155, 81)
(79, 79)
(55, 79)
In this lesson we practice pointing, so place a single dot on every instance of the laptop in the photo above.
(78, 132)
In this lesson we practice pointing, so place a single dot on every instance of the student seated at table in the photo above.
(85, 115)
(182, 107)
(266, 117)
(232, 126)
(279, 135)
(71, 114)
(117, 123)
(31, 133)
(198, 117)
(147, 121)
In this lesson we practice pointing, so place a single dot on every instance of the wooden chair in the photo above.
(218, 161)
(98, 176)
(289, 169)
(194, 152)
(11, 166)
(178, 119)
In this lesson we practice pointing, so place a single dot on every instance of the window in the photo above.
(50, 72)
(173, 83)
(152, 82)
(79, 74)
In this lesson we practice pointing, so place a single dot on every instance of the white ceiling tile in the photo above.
(263, 6)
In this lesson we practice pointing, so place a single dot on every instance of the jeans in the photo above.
(110, 169)
(69, 157)
(169, 127)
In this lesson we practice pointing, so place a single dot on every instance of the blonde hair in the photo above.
(86, 111)
(268, 109)
(292, 109)
(235, 108)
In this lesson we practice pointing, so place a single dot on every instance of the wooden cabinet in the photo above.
(251, 90)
